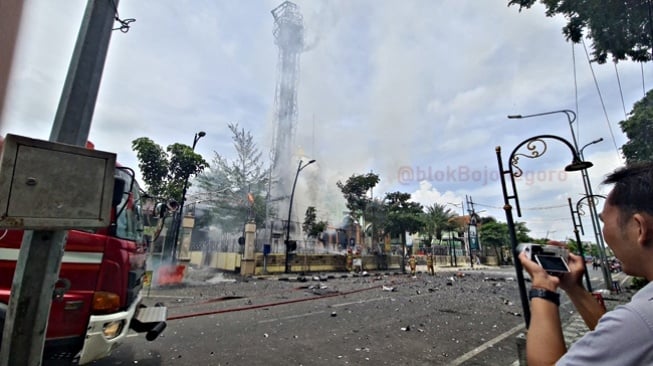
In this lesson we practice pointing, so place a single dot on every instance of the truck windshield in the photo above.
(129, 219)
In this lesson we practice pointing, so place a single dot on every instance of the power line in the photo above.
(605, 112)
(621, 93)
(641, 66)
(523, 208)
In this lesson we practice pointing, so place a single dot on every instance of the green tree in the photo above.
(355, 189)
(620, 28)
(165, 171)
(495, 234)
(436, 220)
(639, 129)
(235, 190)
(376, 216)
(404, 216)
(313, 228)
(521, 232)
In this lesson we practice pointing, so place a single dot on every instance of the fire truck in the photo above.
(97, 299)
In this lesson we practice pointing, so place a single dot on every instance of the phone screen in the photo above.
(552, 263)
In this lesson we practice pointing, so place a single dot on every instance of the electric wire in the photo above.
(641, 66)
(621, 93)
(605, 112)
(523, 208)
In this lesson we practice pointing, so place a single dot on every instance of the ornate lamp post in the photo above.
(180, 213)
(592, 201)
(292, 194)
(596, 223)
(580, 243)
(533, 144)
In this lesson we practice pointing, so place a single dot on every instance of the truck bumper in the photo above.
(105, 332)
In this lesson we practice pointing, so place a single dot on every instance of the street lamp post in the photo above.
(292, 194)
(580, 243)
(180, 213)
(513, 158)
(462, 209)
(596, 224)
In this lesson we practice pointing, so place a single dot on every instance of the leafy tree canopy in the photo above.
(235, 190)
(403, 214)
(494, 233)
(436, 220)
(166, 171)
(377, 217)
(355, 192)
(620, 28)
(312, 228)
(639, 129)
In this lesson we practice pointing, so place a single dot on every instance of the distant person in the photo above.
(349, 260)
(412, 263)
(429, 264)
(623, 335)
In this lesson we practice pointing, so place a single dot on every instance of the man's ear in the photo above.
(644, 223)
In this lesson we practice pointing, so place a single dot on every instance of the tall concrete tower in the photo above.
(289, 37)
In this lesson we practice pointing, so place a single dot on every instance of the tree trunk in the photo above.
(403, 252)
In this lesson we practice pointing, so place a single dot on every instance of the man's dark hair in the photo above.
(633, 189)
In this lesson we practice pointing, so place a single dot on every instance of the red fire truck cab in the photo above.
(97, 300)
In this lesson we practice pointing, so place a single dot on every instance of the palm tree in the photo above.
(437, 219)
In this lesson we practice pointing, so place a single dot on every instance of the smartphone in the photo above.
(552, 263)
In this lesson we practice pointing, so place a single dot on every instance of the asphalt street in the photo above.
(454, 318)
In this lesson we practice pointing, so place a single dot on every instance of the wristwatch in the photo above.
(541, 293)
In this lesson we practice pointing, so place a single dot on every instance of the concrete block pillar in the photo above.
(248, 263)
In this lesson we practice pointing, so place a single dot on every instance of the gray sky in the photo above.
(416, 91)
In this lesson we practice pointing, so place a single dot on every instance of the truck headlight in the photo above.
(113, 329)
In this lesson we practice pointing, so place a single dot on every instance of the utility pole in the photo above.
(10, 15)
(39, 261)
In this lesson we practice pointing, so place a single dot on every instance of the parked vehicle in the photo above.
(97, 298)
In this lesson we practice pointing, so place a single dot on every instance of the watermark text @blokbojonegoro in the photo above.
(464, 174)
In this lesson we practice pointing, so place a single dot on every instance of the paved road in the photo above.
(441, 320)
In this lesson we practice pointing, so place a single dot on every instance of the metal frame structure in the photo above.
(587, 185)
(289, 37)
(533, 144)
